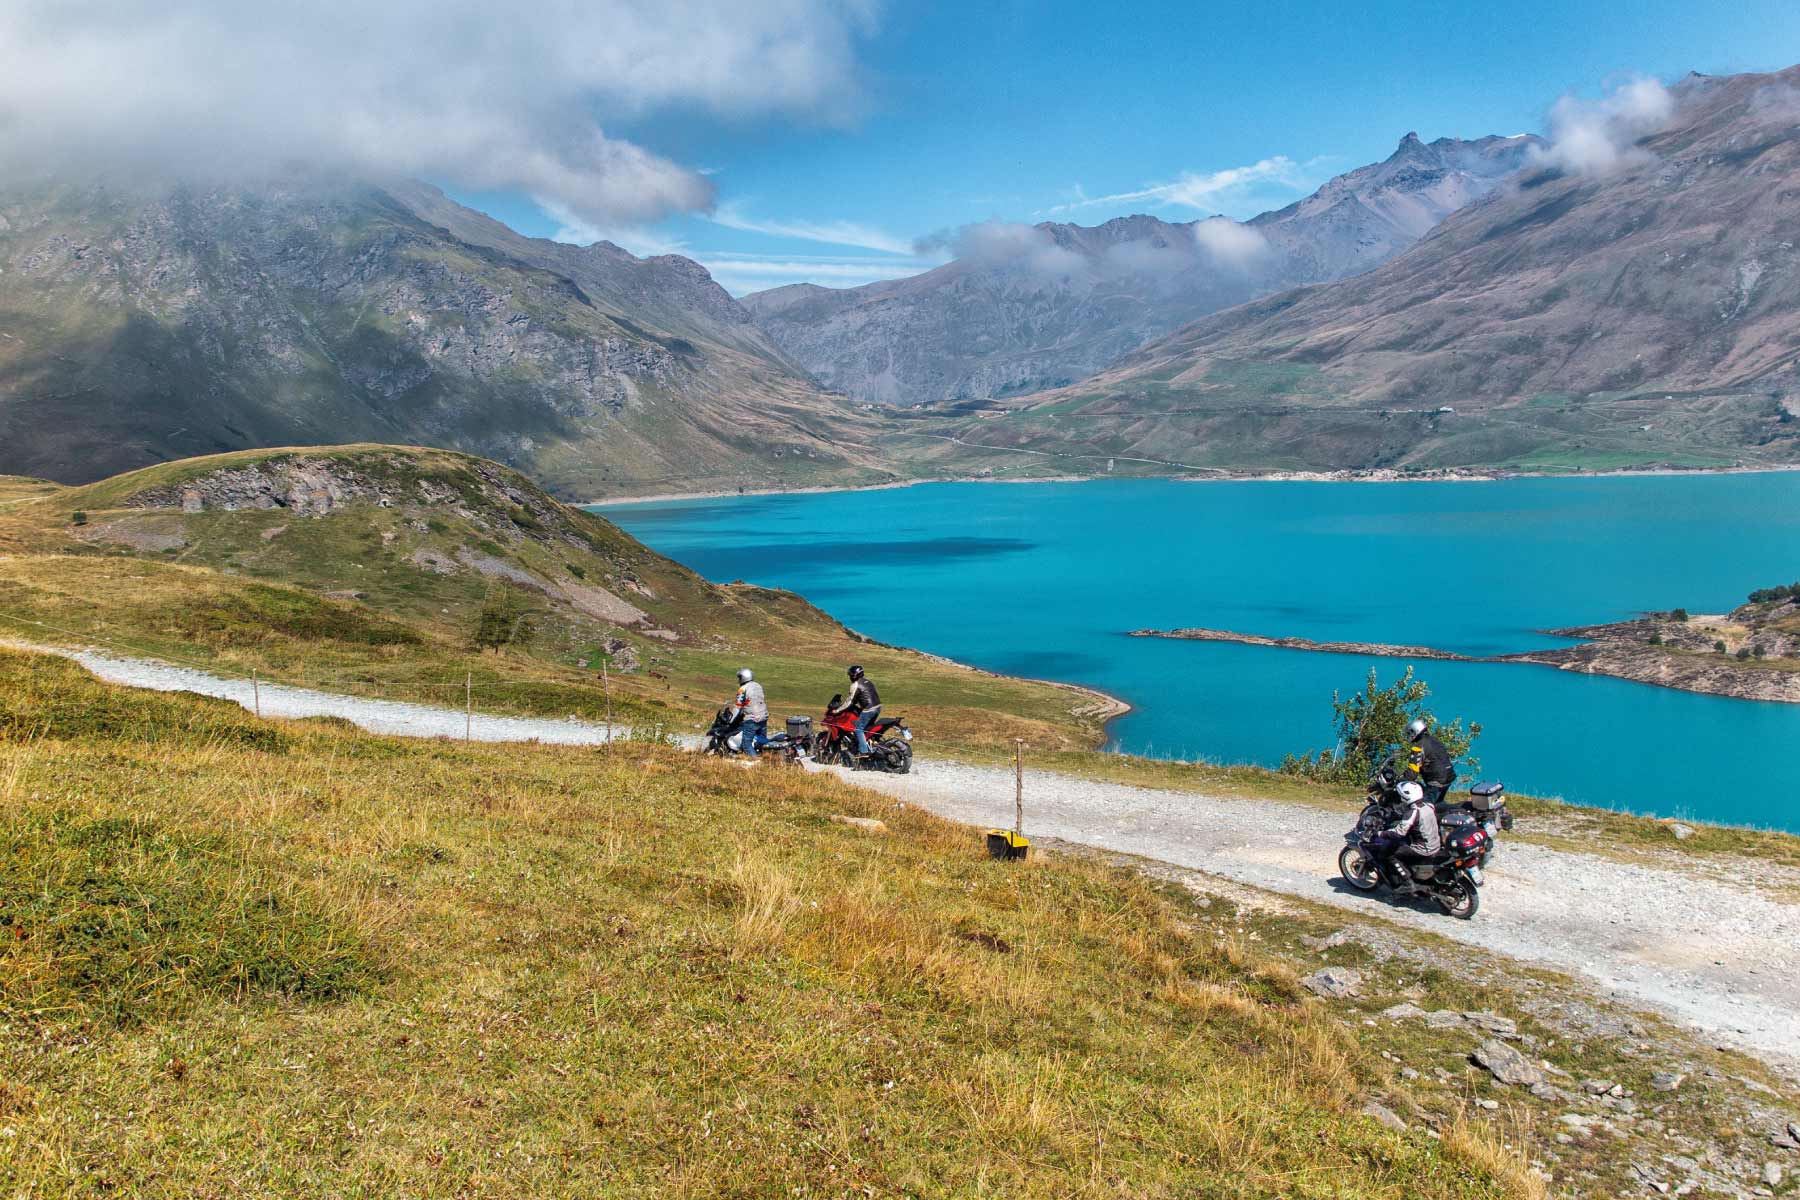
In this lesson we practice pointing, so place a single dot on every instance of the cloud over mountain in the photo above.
(1598, 137)
(473, 93)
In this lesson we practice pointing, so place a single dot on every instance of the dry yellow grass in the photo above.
(572, 972)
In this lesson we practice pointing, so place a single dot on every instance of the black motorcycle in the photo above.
(1452, 877)
(725, 737)
(1485, 808)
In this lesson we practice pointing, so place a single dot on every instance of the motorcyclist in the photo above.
(1428, 762)
(865, 702)
(1413, 837)
(755, 708)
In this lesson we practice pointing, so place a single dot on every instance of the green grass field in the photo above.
(253, 959)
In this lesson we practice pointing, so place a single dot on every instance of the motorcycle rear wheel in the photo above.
(1358, 869)
(1459, 896)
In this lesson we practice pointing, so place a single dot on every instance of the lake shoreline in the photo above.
(1365, 475)
(1610, 649)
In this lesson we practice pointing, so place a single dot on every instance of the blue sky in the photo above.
(966, 112)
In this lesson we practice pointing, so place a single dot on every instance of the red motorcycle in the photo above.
(890, 741)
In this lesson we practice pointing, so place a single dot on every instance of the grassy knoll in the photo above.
(252, 959)
(379, 590)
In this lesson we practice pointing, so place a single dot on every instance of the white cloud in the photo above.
(1598, 137)
(1230, 244)
(1205, 191)
(1005, 244)
(577, 232)
(833, 233)
(479, 94)
(743, 273)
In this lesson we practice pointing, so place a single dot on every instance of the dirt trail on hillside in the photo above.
(1696, 944)
(1718, 955)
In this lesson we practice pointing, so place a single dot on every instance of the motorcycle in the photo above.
(725, 738)
(1452, 878)
(1485, 808)
(890, 741)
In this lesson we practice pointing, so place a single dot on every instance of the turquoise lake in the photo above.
(1045, 579)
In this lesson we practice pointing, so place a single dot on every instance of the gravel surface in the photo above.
(1723, 958)
(376, 716)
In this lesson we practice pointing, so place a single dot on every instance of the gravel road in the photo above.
(1718, 955)
(376, 716)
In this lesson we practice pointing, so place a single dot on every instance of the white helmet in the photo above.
(745, 675)
(1415, 728)
(1411, 792)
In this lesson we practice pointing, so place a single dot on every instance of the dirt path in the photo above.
(1721, 957)
(377, 716)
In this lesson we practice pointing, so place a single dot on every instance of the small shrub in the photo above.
(1758, 652)
(78, 517)
(1679, 614)
(1744, 654)
(1371, 723)
(1656, 637)
(576, 571)
(1719, 645)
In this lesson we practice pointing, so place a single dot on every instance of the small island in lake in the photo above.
(1750, 653)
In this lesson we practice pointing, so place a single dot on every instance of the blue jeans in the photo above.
(756, 734)
(864, 719)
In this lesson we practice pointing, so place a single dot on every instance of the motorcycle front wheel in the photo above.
(1358, 869)
(1459, 896)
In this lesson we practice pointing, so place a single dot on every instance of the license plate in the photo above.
(1475, 874)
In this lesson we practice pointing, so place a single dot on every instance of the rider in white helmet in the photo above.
(1412, 838)
(755, 707)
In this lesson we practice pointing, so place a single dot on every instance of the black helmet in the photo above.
(855, 672)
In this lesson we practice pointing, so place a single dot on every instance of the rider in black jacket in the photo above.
(1428, 761)
(865, 702)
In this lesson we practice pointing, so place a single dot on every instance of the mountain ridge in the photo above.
(1578, 320)
(1024, 308)
(143, 326)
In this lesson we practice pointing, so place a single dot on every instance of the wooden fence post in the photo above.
(1019, 785)
(256, 690)
(606, 685)
(468, 706)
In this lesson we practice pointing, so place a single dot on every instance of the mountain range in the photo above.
(1488, 304)
(1636, 316)
(141, 325)
(1024, 308)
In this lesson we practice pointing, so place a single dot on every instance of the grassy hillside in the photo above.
(255, 959)
(152, 323)
(367, 568)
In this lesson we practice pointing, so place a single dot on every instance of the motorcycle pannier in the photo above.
(799, 729)
(1485, 795)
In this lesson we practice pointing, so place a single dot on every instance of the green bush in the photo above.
(1371, 724)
